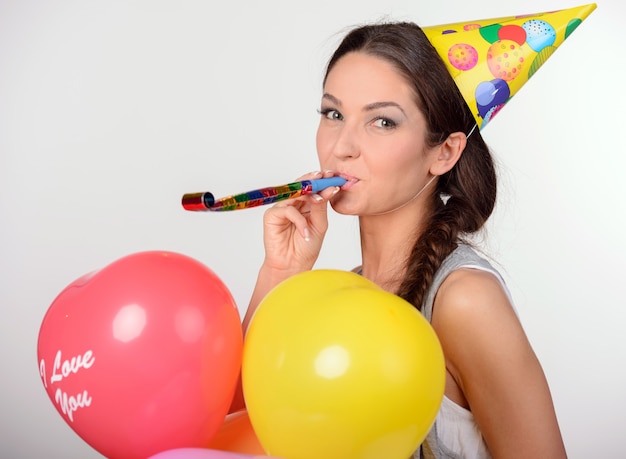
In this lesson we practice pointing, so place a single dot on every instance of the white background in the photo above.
(111, 110)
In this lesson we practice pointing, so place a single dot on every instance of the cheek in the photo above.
(322, 144)
(400, 156)
(404, 166)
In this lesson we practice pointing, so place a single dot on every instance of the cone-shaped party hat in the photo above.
(491, 59)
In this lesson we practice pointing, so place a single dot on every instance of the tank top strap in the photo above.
(462, 257)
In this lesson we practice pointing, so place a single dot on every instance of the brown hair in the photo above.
(471, 183)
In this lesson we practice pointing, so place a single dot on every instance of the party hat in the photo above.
(491, 59)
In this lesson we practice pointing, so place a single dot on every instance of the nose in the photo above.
(345, 142)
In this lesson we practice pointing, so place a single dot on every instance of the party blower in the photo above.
(206, 201)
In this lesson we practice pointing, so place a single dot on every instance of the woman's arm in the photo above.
(492, 363)
(267, 279)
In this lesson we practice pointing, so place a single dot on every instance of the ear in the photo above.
(448, 153)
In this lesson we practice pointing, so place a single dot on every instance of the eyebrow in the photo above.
(368, 107)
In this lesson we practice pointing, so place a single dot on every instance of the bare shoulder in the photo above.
(472, 297)
(474, 318)
(471, 287)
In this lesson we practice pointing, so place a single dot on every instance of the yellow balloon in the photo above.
(336, 368)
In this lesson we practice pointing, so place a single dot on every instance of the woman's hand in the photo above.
(294, 230)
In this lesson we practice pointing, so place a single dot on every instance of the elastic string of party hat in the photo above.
(467, 136)
(410, 200)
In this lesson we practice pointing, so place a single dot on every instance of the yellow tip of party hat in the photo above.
(491, 59)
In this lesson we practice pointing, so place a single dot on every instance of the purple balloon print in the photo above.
(490, 94)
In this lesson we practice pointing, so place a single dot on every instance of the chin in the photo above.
(341, 207)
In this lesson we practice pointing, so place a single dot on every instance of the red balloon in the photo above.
(142, 356)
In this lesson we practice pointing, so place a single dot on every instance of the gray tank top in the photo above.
(462, 257)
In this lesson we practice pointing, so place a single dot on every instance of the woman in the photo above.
(421, 180)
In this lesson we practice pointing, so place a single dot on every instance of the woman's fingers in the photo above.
(282, 217)
(307, 213)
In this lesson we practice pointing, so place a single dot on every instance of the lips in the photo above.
(350, 181)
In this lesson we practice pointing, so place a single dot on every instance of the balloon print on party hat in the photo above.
(491, 59)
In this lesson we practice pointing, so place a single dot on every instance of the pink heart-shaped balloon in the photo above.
(142, 356)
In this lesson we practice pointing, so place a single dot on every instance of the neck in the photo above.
(386, 242)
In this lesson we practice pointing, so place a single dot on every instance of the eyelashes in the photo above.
(379, 121)
(385, 123)
(330, 113)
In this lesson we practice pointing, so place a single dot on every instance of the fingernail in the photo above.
(307, 235)
(336, 190)
(317, 197)
(316, 173)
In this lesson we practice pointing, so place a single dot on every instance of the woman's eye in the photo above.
(331, 114)
(384, 123)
